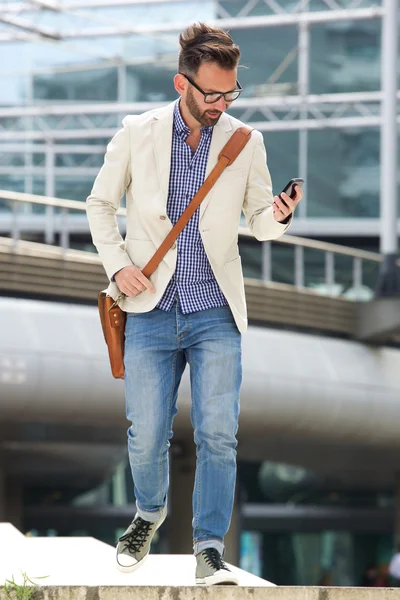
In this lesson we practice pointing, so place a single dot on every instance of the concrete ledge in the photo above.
(379, 320)
(86, 563)
(84, 569)
(216, 593)
(78, 276)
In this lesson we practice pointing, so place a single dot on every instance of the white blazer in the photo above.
(137, 161)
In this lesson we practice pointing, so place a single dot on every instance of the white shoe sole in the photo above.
(133, 567)
(218, 579)
(140, 562)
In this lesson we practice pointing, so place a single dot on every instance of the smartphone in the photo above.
(289, 188)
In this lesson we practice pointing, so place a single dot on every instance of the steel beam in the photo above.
(283, 19)
(19, 7)
(281, 125)
(232, 23)
(44, 32)
(58, 149)
(281, 102)
(44, 171)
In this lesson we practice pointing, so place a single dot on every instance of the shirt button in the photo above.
(163, 217)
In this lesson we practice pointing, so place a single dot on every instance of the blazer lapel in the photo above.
(220, 136)
(162, 141)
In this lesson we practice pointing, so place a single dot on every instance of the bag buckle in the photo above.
(115, 303)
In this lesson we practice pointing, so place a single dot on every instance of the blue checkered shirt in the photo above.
(193, 282)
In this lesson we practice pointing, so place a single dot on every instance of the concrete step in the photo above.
(84, 569)
(85, 561)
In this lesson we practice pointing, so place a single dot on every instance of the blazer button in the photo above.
(162, 217)
(173, 246)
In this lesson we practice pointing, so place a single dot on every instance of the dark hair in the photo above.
(201, 43)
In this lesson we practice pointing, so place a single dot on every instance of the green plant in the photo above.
(23, 591)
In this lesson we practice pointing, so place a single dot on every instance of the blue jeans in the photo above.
(158, 344)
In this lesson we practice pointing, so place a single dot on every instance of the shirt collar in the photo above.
(181, 129)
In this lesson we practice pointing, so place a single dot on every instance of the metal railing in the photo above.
(322, 277)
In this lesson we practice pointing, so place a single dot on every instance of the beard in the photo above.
(201, 117)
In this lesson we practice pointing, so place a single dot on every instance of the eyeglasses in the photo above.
(212, 97)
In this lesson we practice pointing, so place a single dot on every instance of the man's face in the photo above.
(210, 78)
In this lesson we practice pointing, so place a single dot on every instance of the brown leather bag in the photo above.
(112, 318)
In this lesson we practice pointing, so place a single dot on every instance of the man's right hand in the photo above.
(131, 281)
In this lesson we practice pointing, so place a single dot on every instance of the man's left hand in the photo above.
(283, 212)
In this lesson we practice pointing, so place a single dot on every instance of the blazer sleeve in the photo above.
(104, 201)
(257, 205)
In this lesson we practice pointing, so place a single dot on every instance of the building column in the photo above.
(2, 496)
(11, 505)
(14, 503)
(180, 514)
(397, 509)
(389, 276)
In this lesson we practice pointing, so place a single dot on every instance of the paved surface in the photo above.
(84, 569)
(84, 561)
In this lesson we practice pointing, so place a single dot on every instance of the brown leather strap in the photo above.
(228, 154)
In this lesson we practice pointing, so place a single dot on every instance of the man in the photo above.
(192, 310)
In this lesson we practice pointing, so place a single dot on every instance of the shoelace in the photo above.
(136, 538)
(213, 558)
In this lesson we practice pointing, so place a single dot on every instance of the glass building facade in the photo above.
(341, 163)
(69, 76)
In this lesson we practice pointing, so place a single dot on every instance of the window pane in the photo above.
(77, 188)
(345, 57)
(270, 58)
(282, 157)
(343, 173)
(151, 82)
(251, 254)
(314, 269)
(79, 160)
(20, 184)
(96, 84)
(237, 8)
(282, 263)
(343, 274)
(370, 274)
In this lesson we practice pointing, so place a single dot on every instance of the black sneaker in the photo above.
(211, 569)
(134, 546)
